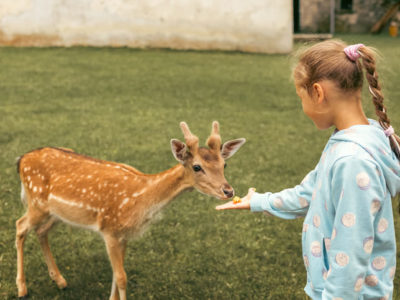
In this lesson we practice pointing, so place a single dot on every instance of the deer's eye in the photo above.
(225, 165)
(197, 168)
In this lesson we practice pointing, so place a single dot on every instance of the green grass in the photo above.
(125, 105)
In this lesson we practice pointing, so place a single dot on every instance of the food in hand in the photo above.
(236, 200)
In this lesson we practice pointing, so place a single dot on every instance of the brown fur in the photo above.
(112, 198)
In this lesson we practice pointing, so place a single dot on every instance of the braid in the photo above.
(368, 61)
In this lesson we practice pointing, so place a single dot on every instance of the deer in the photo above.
(114, 199)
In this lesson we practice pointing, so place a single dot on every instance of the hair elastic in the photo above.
(352, 51)
(389, 131)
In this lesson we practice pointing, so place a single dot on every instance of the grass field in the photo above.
(125, 105)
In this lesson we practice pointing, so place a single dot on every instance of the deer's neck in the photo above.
(169, 184)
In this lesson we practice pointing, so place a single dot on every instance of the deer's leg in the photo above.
(54, 272)
(116, 253)
(23, 226)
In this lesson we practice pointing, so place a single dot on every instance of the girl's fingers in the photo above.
(227, 205)
(250, 193)
(231, 205)
(243, 203)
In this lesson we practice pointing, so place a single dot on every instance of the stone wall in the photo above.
(364, 15)
(315, 16)
(251, 25)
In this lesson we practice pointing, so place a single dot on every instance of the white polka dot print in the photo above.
(379, 263)
(371, 280)
(337, 298)
(363, 180)
(303, 202)
(342, 259)
(341, 194)
(392, 272)
(323, 157)
(382, 225)
(333, 234)
(267, 213)
(314, 195)
(316, 249)
(368, 244)
(349, 219)
(329, 272)
(383, 151)
(386, 297)
(324, 274)
(359, 284)
(305, 227)
(327, 244)
(375, 206)
(278, 202)
(306, 261)
(317, 221)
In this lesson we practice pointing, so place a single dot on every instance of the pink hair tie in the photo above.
(389, 131)
(352, 51)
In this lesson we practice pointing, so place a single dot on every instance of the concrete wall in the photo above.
(251, 25)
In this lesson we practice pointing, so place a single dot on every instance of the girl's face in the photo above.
(314, 109)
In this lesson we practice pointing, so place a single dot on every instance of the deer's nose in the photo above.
(228, 191)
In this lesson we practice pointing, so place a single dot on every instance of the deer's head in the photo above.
(205, 165)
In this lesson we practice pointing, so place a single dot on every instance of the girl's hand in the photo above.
(243, 204)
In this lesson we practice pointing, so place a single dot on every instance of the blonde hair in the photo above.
(328, 61)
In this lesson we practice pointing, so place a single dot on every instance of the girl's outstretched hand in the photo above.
(244, 203)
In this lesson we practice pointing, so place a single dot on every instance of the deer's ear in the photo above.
(179, 150)
(229, 148)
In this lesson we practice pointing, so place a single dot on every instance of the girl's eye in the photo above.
(197, 168)
(225, 165)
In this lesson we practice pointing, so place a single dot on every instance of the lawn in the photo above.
(125, 105)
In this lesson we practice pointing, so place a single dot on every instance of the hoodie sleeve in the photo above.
(289, 203)
(356, 193)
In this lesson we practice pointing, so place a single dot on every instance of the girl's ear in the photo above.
(179, 150)
(230, 148)
(318, 93)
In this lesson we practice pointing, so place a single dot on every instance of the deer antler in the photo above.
(214, 140)
(192, 141)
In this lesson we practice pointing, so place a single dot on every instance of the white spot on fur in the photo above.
(124, 202)
(138, 193)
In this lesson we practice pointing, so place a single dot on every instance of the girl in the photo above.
(349, 246)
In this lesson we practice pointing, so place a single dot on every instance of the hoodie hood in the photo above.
(373, 140)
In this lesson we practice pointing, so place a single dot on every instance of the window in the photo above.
(346, 4)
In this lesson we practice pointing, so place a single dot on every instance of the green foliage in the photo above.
(125, 105)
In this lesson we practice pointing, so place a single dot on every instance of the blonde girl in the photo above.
(348, 239)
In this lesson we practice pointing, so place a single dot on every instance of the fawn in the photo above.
(113, 199)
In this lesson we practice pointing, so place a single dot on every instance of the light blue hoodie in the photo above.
(349, 246)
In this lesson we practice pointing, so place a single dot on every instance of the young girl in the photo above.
(349, 246)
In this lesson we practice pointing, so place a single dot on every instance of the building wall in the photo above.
(364, 15)
(315, 16)
(251, 25)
